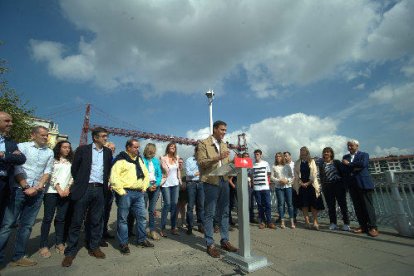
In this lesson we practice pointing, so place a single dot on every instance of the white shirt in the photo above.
(60, 175)
(280, 172)
(217, 144)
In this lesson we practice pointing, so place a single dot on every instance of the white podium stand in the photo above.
(244, 259)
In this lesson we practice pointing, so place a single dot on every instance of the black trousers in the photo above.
(336, 192)
(4, 198)
(92, 201)
(109, 198)
(363, 205)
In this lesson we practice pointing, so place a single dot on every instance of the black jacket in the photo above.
(81, 170)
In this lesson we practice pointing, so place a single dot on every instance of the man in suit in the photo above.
(9, 157)
(211, 154)
(361, 188)
(90, 171)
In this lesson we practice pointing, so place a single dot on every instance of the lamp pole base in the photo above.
(247, 264)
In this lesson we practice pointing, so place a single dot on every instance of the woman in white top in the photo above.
(56, 198)
(283, 178)
(170, 186)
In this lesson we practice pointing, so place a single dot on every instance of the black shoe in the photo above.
(103, 243)
(145, 243)
(125, 249)
(108, 236)
(189, 231)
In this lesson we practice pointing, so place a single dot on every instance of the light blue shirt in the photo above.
(2, 144)
(97, 165)
(39, 161)
(191, 168)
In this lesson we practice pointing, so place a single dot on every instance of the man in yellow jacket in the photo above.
(130, 180)
(211, 154)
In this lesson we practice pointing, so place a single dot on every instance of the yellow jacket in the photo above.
(206, 153)
(124, 176)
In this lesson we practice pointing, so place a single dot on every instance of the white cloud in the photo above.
(381, 152)
(401, 98)
(188, 45)
(360, 86)
(287, 133)
(72, 67)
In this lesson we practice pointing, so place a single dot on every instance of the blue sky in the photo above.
(287, 73)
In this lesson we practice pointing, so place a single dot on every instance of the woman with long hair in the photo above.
(282, 177)
(170, 187)
(307, 186)
(56, 198)
(153, 192)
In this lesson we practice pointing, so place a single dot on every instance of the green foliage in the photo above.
(11, 103)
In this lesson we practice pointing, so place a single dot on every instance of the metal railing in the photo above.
(393, 201)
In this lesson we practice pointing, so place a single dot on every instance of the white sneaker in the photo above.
(346, 228)
(332, 226)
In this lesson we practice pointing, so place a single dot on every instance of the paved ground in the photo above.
(291, 252)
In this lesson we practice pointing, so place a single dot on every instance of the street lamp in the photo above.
(210, 97)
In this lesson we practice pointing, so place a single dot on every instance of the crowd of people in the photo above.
(77, 189)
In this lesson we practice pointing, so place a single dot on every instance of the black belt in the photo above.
(96, 184)
(133, 190)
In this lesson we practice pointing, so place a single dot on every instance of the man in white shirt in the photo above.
(260, 177)
(27, 195)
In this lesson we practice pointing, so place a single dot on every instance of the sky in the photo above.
(286, 73)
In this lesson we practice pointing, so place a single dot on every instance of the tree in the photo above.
(11, 103)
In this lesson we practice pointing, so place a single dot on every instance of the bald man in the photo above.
(9, 157)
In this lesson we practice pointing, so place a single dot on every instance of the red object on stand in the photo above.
(243, 162)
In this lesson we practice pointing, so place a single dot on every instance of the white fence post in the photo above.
(403, 224)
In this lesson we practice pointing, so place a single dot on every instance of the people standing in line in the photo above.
(182, 195)
(211, 154)
(195, 194)
(307, 186)
(10, 156)
(130, 181)
(56, 199)
(155, 176)
(283, 179)
(361, 188)
(90, 171)
(170, 188)
(27, 195)
(333, 187)
(109, 198)
(259, 174)
(288, 161)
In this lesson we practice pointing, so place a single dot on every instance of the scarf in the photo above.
(124, 156)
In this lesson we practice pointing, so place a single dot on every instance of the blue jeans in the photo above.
(216, 196)
(264, 205)
(195, 193)
(170, 199)
(53, 202)
(284, 195)
(25, 207)
(132, 201)
(152, 202)
(93, 202)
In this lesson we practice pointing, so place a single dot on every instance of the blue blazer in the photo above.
(157, 168)
(358, 169)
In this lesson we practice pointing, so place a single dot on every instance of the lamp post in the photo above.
(210, 97)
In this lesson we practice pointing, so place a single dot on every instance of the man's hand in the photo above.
(32, 191)
(197, 174)
(223, 155)
(345, 162)
(17, 152)
(152, 188)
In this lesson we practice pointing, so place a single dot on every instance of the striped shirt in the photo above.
(331, 173)
(260, 174)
